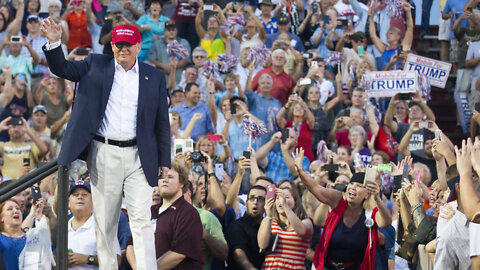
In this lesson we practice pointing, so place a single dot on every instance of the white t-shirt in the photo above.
(344, 9)
(472, 53)
(83, 241)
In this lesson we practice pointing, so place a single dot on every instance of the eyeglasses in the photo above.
(199, 56)
(258, 198)
(122, 44)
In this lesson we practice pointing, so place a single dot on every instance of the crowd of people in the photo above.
(284, 163)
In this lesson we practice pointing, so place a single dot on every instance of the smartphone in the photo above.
(419, 175)
(405, 171)
(342, 24)
(370, 174)
(293, 42)
(437, 134)
(384, 167)
(305, 81)
(15, 39)
(326, 19)
(36, 194)
(26, 160)
(233, 108)
(178, 148)
(477, 107)
(330, 167)
(271, 192)
(246, 154)
(207, 7)
(307, 55)
(423, 124)
(188, 146)
(399, 49)
(1, 162)
(334, 147)
(314, 64)
(214, 137)
(285, 135)
(246, 4)
(360, 50)
(56, 14)
(470, 9)
(118, 18)
(405, 96)
(314, 8)
(349, 17)
(81, 51)
(341, 187)
(219, 171)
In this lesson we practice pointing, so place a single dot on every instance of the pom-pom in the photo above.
(227, 62)
(232, 21)
(253, 129)
(322, 151)
(176, 50)
(258, 55)
(424, 86)
(335, 58)
(394, 8)
(209, 69)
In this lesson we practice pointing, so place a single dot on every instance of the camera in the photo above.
(198, 157)
(118, 18)
(15, 39)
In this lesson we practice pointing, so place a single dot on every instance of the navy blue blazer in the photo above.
(95, 77)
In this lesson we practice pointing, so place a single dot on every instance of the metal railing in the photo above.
(29, 180)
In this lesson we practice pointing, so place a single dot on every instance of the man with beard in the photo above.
(178, 229)
(40, 129)
(18, 154)
(242, 233)
(428, 136)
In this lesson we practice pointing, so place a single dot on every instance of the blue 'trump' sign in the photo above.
(388, 83)
(436, 71)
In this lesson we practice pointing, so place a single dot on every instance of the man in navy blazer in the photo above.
(119, 125)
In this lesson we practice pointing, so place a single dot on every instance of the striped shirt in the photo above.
(289, 252)
(453, 245)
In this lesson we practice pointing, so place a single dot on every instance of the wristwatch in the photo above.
(91, 260)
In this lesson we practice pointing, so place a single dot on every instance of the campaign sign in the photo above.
(388, 83)
(436, 71)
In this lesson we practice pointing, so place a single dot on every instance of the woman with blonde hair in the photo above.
(350, 235)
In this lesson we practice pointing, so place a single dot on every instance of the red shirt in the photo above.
(282, 84)
(304, 139)
(78, 35)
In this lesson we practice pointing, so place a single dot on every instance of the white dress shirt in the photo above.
(120, 120)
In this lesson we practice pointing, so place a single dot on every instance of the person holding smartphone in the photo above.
(350, 234)
(287, 222)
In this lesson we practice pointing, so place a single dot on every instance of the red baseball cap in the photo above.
(127, 33)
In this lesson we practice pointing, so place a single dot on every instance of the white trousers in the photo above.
(115, 171)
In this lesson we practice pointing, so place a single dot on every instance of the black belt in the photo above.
(127, 143)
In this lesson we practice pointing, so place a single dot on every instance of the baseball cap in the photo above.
(357, 177)
(283, 20)
(80, 184)
(39, 108)
(413, 103)
(266, 2)
(170, 24)
(177, 89)
(15, 121)
(127, 33)
(357, 36)
(33, 17)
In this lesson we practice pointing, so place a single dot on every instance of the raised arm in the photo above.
(373, 31)
(408, 39)
(334, 101)
(303, 228)
(39, 143)
(265, 230)
(237, 182)
(389, 114)
(417, 97)
(215, 190)
(403, 147)
(15, 26)
(331, 197)
(262, 152)
(469, 187)
(198, 24)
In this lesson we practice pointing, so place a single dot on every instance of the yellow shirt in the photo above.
(212, 47)
(13, 155)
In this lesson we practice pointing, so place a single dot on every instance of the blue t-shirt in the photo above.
(455, 6)
(271, 26)
(386, 56)
(11, 248)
